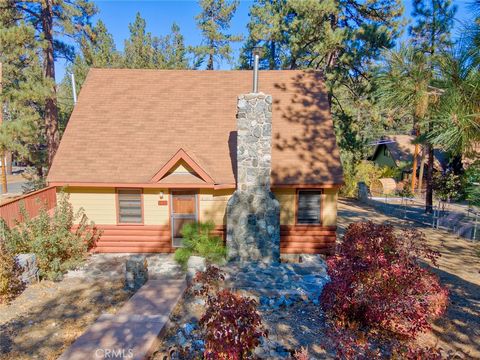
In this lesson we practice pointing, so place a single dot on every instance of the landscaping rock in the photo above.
(279, 285)
(188, 329)
(194, 264)
(136, 272)
(28, 263)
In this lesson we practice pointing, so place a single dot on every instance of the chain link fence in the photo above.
(457, 218)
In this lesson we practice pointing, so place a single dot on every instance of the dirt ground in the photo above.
(48, 316)
(459, 271)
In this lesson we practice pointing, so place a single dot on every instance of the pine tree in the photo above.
(139, 51)
(99, 50)
(170, 50)
(52, 20)
(268, 25)
(343, 39)
(214, 21)
(431, 34)
(25, 89)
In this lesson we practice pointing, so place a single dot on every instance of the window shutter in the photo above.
(309, 203)
(130, 206)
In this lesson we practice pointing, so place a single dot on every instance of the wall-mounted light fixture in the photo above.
(161, 195)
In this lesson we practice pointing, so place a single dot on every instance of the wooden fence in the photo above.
(45, 198)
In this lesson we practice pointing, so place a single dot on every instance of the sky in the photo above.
(160, 15)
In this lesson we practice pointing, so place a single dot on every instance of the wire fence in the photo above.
(459, 219)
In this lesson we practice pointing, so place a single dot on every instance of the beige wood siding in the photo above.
(286, 197)
(329, 214)
(153, 213)
(213, 205)
(99, 203)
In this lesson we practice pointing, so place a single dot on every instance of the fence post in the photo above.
(474, 235)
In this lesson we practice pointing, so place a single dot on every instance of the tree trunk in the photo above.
(272, 55)
(429, 194)
(210, 62)
(2, 153)
(9, 156)
(415, 161)
(51, 111)
(422, 167)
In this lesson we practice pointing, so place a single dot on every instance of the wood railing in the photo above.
(33, 202)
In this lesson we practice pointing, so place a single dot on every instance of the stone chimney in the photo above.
(253, 213)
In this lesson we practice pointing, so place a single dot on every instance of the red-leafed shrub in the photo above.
(207, 282)
(377, 282)
(233, 327)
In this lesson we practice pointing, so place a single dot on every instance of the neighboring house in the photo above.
(146, 151)
(397, 150)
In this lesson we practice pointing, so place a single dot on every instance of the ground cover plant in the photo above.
(198, 240)
(379, 291)
(57, 247)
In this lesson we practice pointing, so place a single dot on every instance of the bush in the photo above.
(471, 180)
(447, 186)
(205, 283)
(377, 282)
(198, 240)
(364, 171)
(11, 283)
(233, 327)
(51, 239)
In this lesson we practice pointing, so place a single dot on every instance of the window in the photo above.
(130, 206)
(308, 207)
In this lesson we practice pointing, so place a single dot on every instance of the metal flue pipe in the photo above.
(256, 57)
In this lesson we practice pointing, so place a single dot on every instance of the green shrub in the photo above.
(11, 283)
(471, 181)
(447, 186)
(198, 240)
(51, 239)
(390, 172)
(364, 171)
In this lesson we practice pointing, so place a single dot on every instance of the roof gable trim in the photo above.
(179, 156)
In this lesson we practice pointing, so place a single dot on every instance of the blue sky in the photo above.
(160, 15)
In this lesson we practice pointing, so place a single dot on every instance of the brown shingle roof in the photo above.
(128, 124)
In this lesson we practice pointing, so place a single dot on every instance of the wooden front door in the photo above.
(184, 211)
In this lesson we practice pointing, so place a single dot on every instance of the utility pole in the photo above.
(2, 152)
(74, 89)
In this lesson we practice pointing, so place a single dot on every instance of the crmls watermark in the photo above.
(114, 353)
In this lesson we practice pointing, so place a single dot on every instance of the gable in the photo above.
(182, 169)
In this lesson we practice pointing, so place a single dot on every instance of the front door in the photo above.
(183, 211)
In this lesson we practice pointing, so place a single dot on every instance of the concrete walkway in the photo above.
(133, 332)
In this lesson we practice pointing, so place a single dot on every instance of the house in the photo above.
(397, 151)
(146, 151)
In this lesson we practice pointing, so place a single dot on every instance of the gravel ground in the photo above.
(48, 316)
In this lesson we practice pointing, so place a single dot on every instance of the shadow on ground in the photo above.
(459, 271)
(62, 313)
